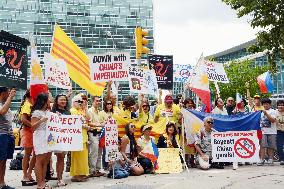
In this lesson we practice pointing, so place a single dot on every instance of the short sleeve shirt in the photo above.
(203, 139)
(266, 126)
(26, 108)
(39, 114)
(164, 113)
(6, 122)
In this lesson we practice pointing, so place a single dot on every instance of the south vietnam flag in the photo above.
(77, 62)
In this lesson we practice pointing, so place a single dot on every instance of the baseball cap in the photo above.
(168, 99)
(256, 96)
(146, 127)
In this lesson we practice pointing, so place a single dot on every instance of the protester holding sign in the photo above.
(170, 138)
(129, 150)
(39, 119)
(269, 132)
(79, 169)
(27, 140)
(7, 141)
(60, 107)
(202, 143)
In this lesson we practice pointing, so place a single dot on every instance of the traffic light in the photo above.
(141, 42)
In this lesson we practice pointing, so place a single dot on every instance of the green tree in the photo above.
(268, 15)
(240, 73)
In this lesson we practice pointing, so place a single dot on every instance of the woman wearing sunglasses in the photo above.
(129, 151)
(144, 111)
(79, 169)
(202, 143)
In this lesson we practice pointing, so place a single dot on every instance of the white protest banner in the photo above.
(216, 72)
(56, 72)
(142, 81)
(235, 146)
(64, 132)
(182, 72)
(111, 140)
(109, 66)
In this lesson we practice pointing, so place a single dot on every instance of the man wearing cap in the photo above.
(257, 104)
(7, 141)
(168, 111)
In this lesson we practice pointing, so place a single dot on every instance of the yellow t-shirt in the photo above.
(145, 118)
(164, 113)
(26, 108)
(74, 111)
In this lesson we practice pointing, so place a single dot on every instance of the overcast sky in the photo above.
(186, 28)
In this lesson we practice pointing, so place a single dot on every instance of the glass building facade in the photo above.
(241, 52)
(96, 26)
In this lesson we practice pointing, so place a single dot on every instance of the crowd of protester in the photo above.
(90, 161)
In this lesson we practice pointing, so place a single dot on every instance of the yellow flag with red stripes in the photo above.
(77, 61)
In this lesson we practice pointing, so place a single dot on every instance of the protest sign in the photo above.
(142, 81)
(163, 66)
(182, 72)
(109, 66)
(56, 72)
(169, 161)
(13, 62)
(235, 146)
(111, 140)
(64, 132)
(216, 72)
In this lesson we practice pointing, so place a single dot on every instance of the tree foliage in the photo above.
(268, 15)
(240, 73)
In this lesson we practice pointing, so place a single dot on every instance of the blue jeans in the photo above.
(118, 173)
(280, 143)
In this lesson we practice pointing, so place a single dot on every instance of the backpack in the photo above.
(16, 164)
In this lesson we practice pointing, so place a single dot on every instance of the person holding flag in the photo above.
(148, 151)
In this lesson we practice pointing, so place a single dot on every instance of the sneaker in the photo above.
(261, 163)
(270, 162)
(6, 187)
(281, 162)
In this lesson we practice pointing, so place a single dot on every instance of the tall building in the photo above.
(240, 52)
(96, 26)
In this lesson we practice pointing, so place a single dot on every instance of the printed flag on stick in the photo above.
(37, 82)
(199, 83)
(238, 100)
(77, 61)
(265, 83)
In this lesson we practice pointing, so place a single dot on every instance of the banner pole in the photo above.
(217, 89)
(183, 151)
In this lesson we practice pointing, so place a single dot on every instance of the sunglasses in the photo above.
(109, 103)
(79, 101)
(132, 126)
(145, 106)
(210, 122)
